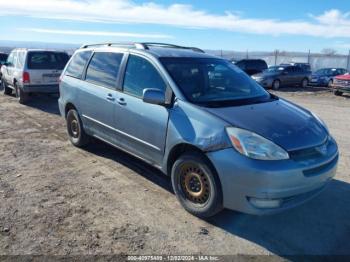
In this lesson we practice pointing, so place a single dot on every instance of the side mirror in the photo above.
(154, 96)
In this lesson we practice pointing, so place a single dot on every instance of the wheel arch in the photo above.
(179, 149)
(69, 106)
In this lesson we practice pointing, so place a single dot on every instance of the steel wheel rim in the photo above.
(276, 85)
(194, 184)
(74, 129)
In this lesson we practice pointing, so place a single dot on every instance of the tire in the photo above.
(75, 129)
(276, 84)
(22, 97)
(338, 93)
(6, 89)
(330, 83)
(196, 185)
(304, 83)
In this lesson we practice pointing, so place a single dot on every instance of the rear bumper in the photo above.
(289, 182)
(41, 88)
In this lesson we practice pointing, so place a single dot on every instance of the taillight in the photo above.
(26, 78)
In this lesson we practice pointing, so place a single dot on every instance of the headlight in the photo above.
(255, 146)
(320, 121)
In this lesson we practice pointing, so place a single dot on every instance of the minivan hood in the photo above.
(280, 121)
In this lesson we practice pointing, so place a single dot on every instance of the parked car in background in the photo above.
(3, 58)
(29, 71)
(304, 66)
(341, 84)
(325, 76)
(222, 138)
(284, 75)
(252, 66)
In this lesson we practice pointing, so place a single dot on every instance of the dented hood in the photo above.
(280, 121)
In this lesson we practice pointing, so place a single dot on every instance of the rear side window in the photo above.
(103, 69)
(47, 60)
(77, 64)
(139, 75)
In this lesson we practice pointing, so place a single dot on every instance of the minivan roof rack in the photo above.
(144, 46)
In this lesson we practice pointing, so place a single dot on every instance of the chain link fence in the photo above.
(316, 60)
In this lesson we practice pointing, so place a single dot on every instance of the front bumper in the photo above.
(54, 89)
(266, 83)
(317, 83)
(290, 181)
(342, 89)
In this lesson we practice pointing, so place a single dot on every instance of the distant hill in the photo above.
(6, 45)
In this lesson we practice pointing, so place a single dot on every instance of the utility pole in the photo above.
(276, 55)
(348, 64)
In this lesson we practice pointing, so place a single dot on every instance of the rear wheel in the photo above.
(75, 129)
(276, 84)
(196, 185)
(338, 93)
(7, 90)
(304, 83)
(22, 96)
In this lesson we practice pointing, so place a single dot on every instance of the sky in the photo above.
(254, 25)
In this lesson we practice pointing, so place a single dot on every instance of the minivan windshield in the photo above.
(47, 60)
(214, 82)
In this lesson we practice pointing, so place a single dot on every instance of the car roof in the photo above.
(156, 49)
(38, 50)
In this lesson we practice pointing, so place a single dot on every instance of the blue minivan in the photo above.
(224, 140)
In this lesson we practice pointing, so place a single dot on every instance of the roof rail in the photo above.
(120, 44)
(144, 46)
(196, 49)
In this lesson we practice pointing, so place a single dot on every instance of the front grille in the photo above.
(308, 153)
(344, 83)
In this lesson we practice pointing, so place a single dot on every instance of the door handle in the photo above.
(121, 101)
(110, 97)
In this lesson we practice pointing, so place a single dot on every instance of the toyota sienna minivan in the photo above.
(224, 140)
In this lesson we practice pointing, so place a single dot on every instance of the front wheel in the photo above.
(196, 185)
(276, 84)
(338, 93)
(75, 129)
(304, 83)
(330, 83)
(7, 90)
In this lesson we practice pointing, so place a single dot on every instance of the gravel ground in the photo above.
(60, 200)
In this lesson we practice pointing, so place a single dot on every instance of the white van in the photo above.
(29, 71)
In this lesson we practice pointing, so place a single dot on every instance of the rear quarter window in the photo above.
(77, 64)
(46, 60)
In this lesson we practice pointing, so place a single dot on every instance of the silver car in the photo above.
(224, 140)
(29, 71)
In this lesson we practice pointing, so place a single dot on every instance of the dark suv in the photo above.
(283, 75)
(252, 66)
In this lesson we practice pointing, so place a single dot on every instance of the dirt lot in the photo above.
(57, 199)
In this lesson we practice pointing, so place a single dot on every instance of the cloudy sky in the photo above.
(225, 24)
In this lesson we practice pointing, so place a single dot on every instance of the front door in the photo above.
(142, 127)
